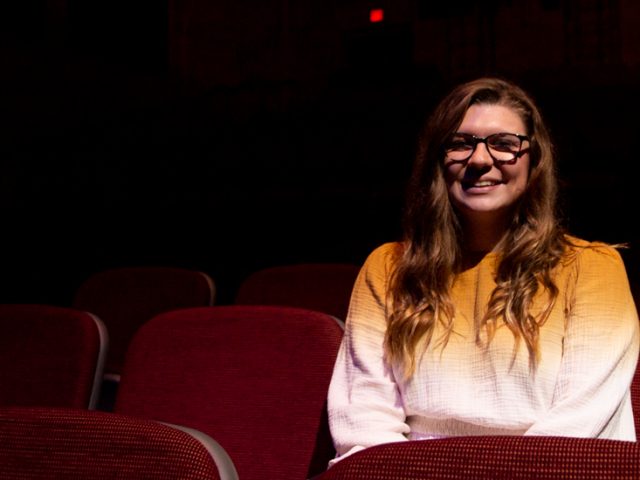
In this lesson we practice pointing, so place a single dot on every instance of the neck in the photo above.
(484, 234)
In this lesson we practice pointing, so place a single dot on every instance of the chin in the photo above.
(482, 207)
(482, 211)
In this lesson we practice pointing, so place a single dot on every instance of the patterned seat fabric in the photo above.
(495, 458)
(54, 443)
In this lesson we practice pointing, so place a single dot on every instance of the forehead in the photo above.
(484, 119)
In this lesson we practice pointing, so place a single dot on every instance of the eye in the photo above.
(458, 145)
(504, 143)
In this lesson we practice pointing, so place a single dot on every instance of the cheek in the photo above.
(520, 177)
(519, 185)
(520, 188)
(451, 173)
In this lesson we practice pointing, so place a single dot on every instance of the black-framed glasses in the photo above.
(504, 148)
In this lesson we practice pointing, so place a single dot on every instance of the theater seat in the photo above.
(50, 356)
(59, 443)
(125, 298)
(492, 458)
(255, 378)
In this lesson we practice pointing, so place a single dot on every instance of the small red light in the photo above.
(376, 15)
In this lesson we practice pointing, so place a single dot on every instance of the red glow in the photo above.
(376, 15)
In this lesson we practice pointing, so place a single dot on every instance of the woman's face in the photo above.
(480, 188)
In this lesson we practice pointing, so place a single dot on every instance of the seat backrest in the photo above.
(324, 287)
(50, 356)
(492, 458)
(48, 443)
(253, 377)
(125, 298)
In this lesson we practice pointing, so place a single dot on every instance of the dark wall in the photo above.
(113, 156)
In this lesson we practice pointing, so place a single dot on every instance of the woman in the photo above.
(487, 319)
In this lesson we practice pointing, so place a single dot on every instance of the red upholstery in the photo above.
(51, 443)
(635, 384)
(495, 458)
(125, 298)
(255, 378)
(635, 400)
(315, 286)
(50, 356)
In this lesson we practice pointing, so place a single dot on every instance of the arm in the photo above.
(365, 406)
(600, 353)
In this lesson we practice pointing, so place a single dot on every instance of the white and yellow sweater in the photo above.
(589, 350)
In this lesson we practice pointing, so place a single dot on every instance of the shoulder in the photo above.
(586, 253)
(598, 288)
(379, 265)
(383, 258)
(386, 252)
(594, 262)
(369, 296)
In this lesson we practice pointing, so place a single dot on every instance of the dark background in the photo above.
(227, 136)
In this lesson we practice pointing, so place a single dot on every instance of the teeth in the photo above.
(484, 184)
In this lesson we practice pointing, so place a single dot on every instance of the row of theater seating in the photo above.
(241, 387)
(191, 364)
(125, 298)
(254, 378)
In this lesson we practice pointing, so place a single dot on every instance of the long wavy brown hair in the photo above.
(431, 253)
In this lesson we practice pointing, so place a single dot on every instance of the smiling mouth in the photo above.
(480, 183)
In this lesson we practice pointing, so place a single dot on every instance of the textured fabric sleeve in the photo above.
(600, 352)
(365, 406)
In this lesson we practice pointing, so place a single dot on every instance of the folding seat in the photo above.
(324, 287)
(492, 458)
(59, 443)
(255, 378)
(50, 356)
(125, 298)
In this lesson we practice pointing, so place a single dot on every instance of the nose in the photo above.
(481, 156)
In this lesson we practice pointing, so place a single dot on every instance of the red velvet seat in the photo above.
(255, 378)
(50, 356)
(492, 458)
(635, 400)
(125, 298)
(55, 443)
(324, 287)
